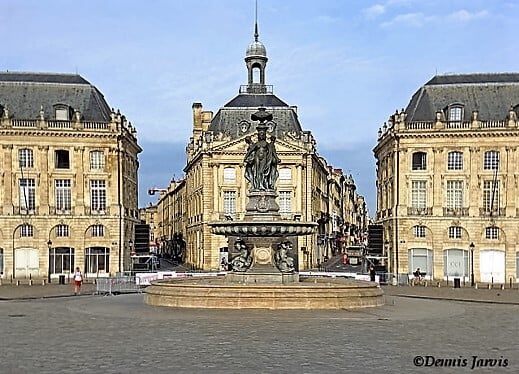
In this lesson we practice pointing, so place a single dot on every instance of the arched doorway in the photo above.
(492, 266)
(26, 262)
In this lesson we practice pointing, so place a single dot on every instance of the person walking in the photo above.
(372, 273)
(78, 280)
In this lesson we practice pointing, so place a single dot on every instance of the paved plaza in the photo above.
(47, 330)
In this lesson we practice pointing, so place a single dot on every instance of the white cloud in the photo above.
(374, 11)
(466, 16)
(409, 19)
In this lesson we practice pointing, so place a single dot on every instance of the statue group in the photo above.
(261, 162)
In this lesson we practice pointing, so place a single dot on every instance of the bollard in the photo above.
(476, 286)
(439, 284)
(510, 282)
(489, 286)
(17, 282)
(30, 281)
(43, 282)
(503, 286)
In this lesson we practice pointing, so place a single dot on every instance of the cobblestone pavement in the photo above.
(43, 333)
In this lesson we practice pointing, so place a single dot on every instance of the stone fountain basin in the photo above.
(275, 228)
(311, 293)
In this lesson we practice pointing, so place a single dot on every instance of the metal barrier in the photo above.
(116, 285)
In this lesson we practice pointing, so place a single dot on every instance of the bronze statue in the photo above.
(261, 161)
(243, 261)
(282, 260)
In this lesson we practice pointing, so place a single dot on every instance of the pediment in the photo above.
(240, 145)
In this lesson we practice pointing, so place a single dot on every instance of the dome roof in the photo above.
(256, 48)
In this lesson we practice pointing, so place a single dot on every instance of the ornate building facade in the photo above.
(68, 178)
(447, 180)
(215, 187)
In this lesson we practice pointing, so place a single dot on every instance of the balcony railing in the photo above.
(496, 212)
(25, 211)
(411, 211)
(455, 212)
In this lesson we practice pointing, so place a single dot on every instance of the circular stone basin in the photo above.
(263, 228)
(310, 293)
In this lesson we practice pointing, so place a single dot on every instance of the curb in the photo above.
(456, 299)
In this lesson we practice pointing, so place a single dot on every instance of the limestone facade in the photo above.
(215, 189)
(447, 180)
(68, 182)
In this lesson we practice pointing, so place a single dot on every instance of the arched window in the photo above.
(26, 230)
(419, 231)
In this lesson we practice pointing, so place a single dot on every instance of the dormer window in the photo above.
(455, 114)
(62, 112)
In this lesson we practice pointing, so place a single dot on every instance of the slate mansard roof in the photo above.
(231, 119)
(492, 95)
(23, 94)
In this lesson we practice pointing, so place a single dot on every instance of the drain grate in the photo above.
(16, 315)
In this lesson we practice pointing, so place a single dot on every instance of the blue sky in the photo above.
(347, 65)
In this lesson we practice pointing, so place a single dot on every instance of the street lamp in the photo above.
(472, 263)
(49, 246)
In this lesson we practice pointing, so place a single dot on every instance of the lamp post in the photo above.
(472, 263)
(49, 246)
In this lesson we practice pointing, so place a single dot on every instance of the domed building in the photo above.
(215, 187)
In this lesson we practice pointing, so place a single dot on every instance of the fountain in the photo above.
(264, 270)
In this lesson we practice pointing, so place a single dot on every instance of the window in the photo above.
(97, 160)
(419, 194)
(456, 263)
(491, 161)
(229, 203)
(25, 158)
(98, 230)
(98, 195)
(454, 232)
(63, 196)
(285, 175)
(455, 114)
(516, 263)
(492, 233)
(1, 261)
(420, 258)
(97, 260)
(26, 231)
(229, 175)
(419, 231)
(61, 260)
(27, 196)
(62, 159)
(62, 231)
(285, 201)
(455, 161)
(454, 194)
(419, 161)
(491, 196)
(61, 112)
